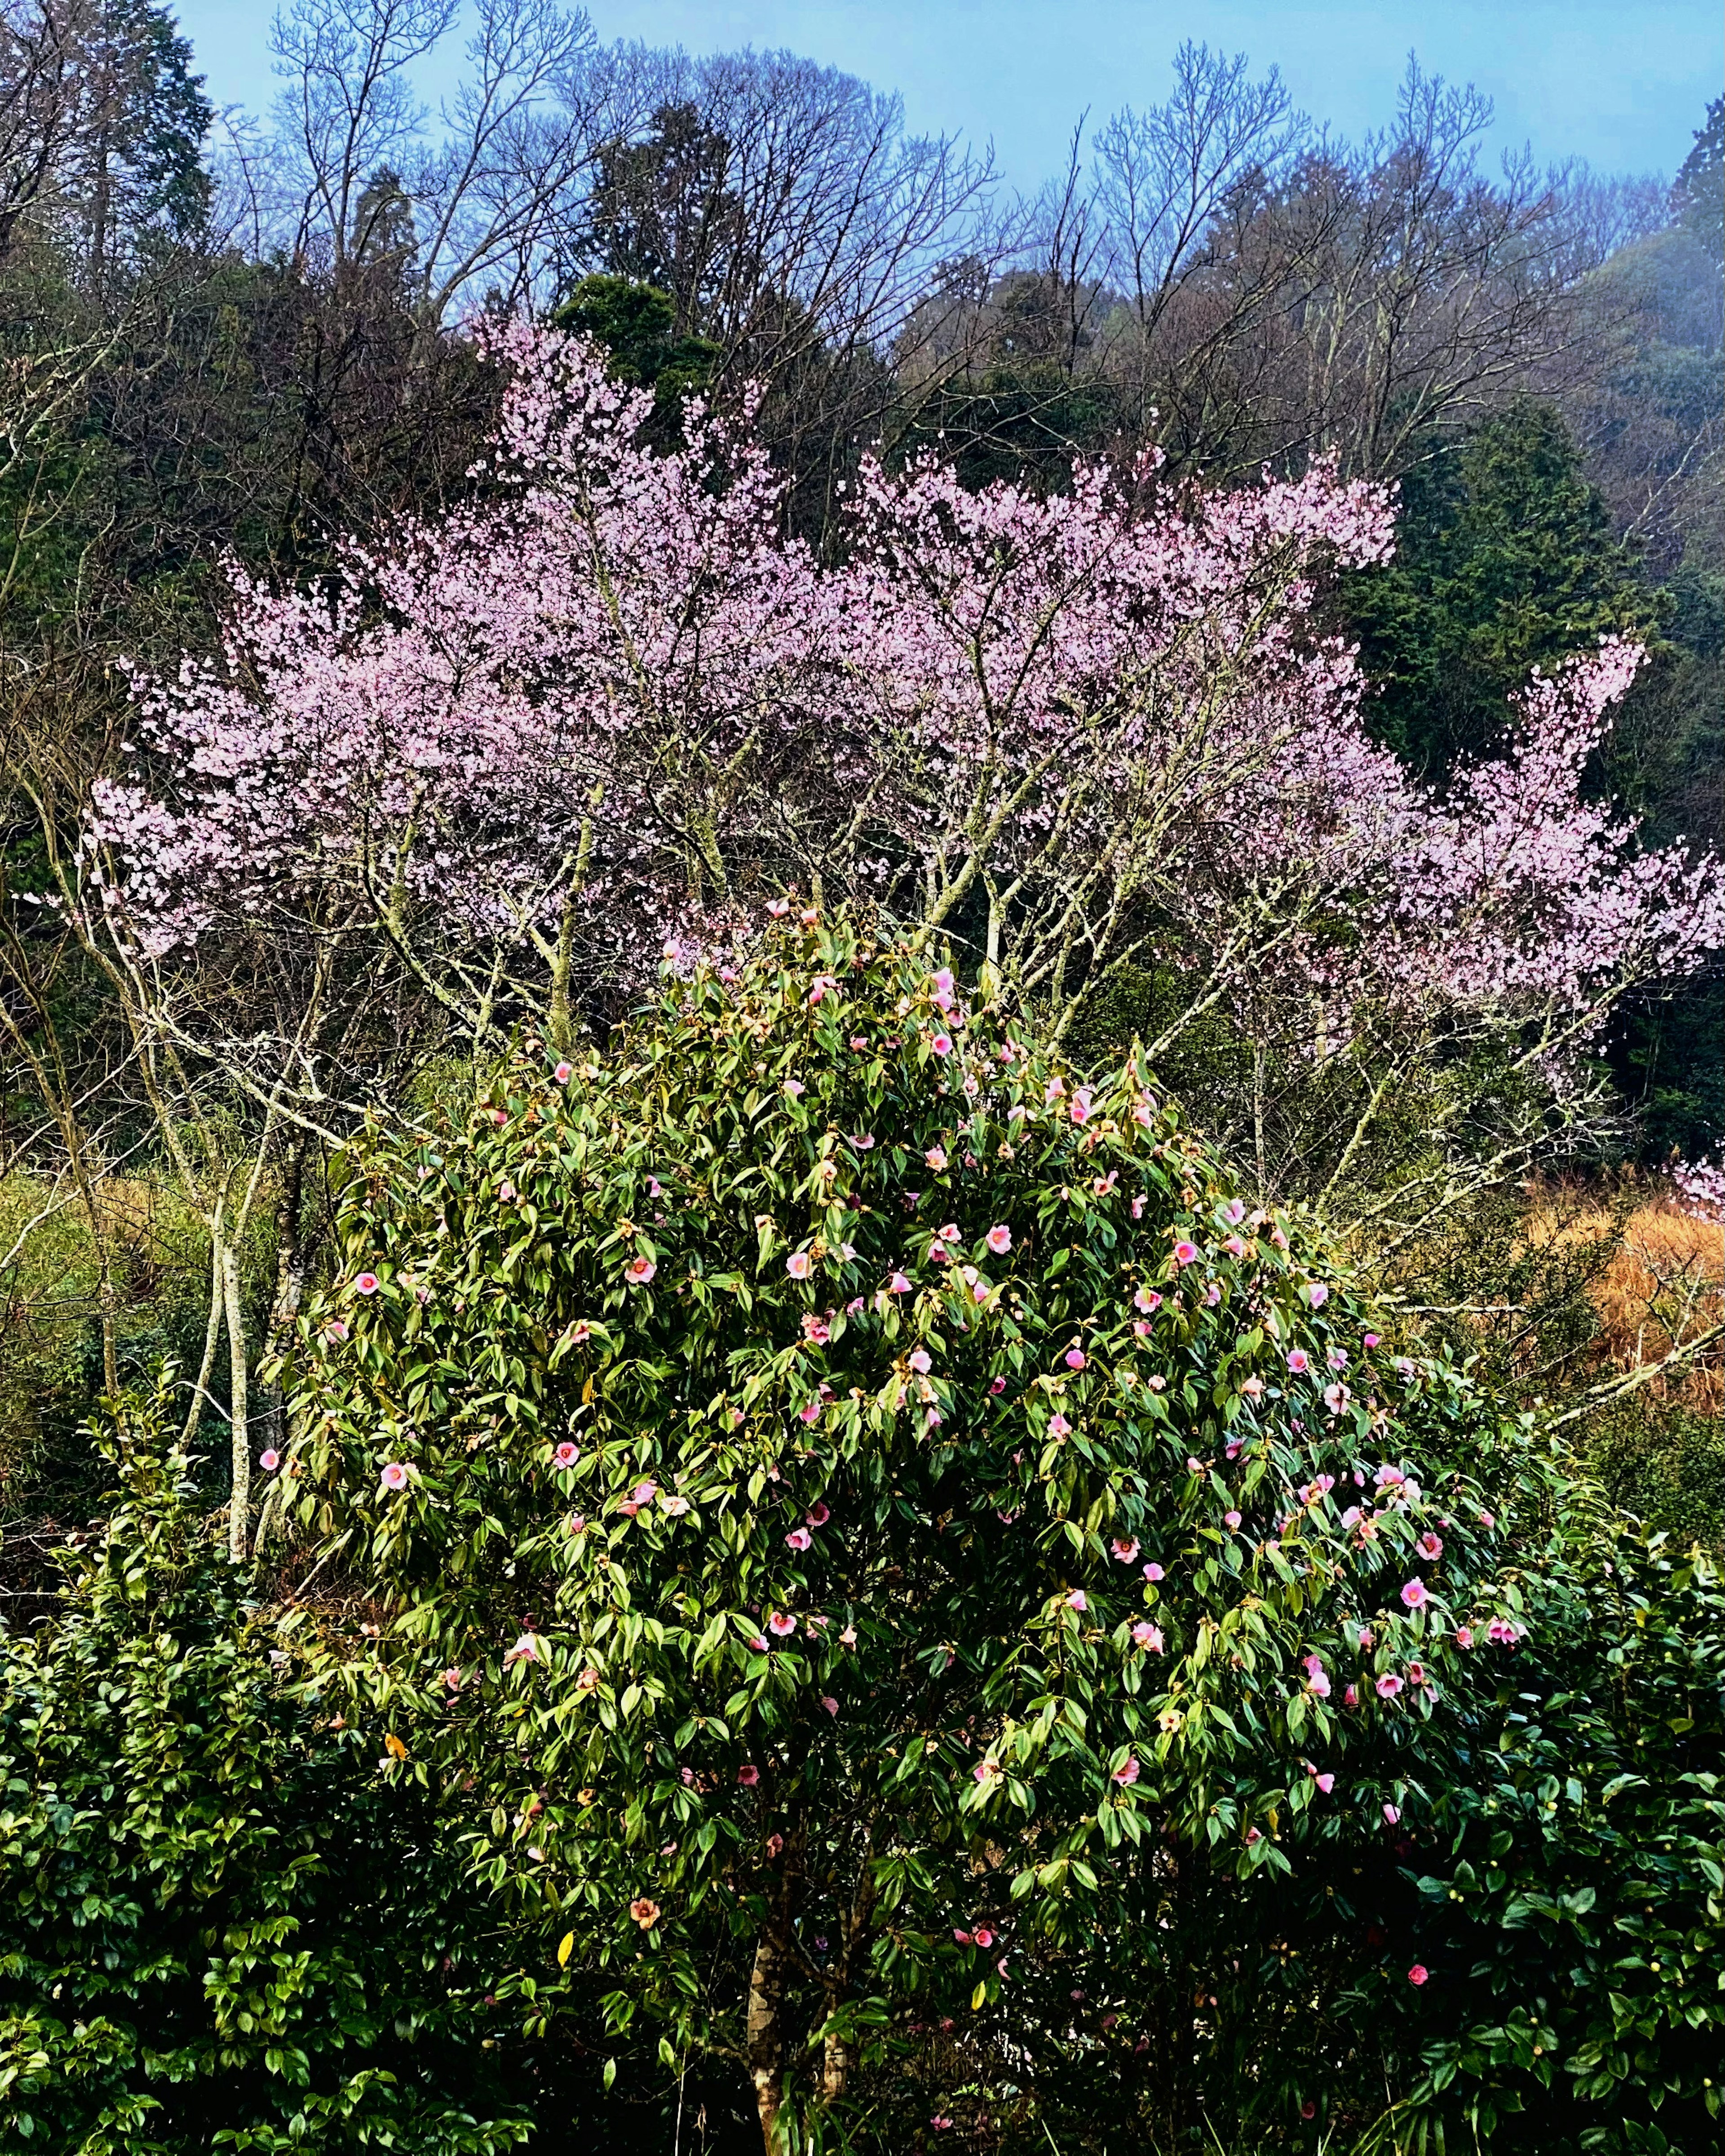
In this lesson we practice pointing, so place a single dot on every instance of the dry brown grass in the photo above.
(1656, 1282)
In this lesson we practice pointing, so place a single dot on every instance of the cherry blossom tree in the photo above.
(1081, 741)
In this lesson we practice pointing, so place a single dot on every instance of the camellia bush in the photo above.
(863, 1519)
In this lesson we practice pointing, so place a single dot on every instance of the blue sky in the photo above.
(1621, 83)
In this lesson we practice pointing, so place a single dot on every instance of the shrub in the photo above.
(218, 1930)
(855, 1504)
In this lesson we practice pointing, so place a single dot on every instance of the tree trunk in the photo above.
(239, 1434)
(765, 2030)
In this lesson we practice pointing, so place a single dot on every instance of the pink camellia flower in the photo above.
(1464, 1635)
(1147, 1300)
(1184, 1252)
(1351, 1696)
(1234, 1247)
(395, 1476)
(795, 1088)
(936, 1156)
(898, 1285)
(749, 1774)
(1392, 1815)
(961, 1938)
(798, 1538)
(1317, 1678)
(673, 1505)
(1076, 1599)
(1232, 1519)
(1299, 1361)
(1388, 1685)
(527, 1648)
(452, 1678)
(1000, 1239)
(270, 1460)
(1153, 1573)
(863, 1142)
(983, 1936)
(997, 1385)
(366, 1284)
(1127, 1773)
(921, 1360)
(1418, 1974)
(643, 1493)
(1414, 1595)
(1416, 1673)
(1194, 1466)
(817, 1515)
(949, 1234)
(1336, 1397)
(1074, 1358)
(1054, 1089)
(798, 1265)
(563, 1073)
(987, 1771)
(1148, 1637)
(781, 1623)
(1430, 1546)
(941, 1043)
(566, 1454)
(1487, 1521)
(775, 1844)
(1371, 1339)
(1125, 1552)
(757, 1645)
(829, 1703)
(638, 1271)
(777, 908)
(1080, 1110)
(1317, 1294)
(1326, 1782)
(1058, 1426)
(1252, 1835)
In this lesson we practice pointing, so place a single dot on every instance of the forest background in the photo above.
(240, 347)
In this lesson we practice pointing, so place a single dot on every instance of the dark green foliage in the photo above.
(217, 1929)
(637, 324)
(1573, 1925)
(1505, 560)
(1664, 1461)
